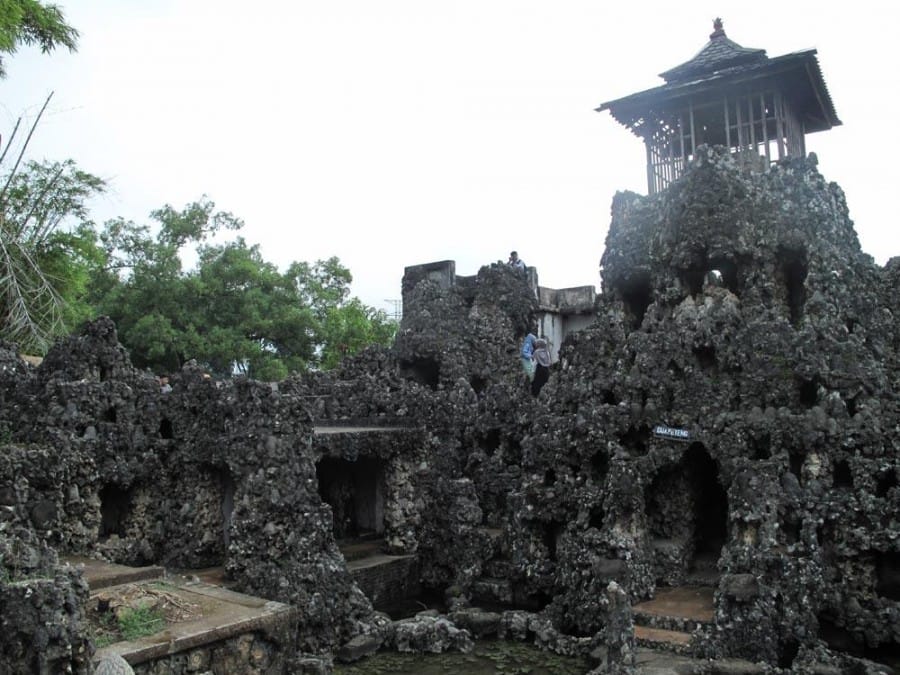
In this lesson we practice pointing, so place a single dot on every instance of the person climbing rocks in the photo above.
(541, 367)
(528, 357)
(515, 261)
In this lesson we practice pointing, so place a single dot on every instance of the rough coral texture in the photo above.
(728, 420)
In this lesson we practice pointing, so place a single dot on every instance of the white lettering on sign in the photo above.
(670, 432)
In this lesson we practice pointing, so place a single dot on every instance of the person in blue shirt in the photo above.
(528, 356)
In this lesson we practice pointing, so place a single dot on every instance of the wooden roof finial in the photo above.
(718, 30)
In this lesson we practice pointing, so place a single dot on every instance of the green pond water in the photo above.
(488, 658)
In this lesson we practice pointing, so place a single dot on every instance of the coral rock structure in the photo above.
(727, 421)
(738, 308)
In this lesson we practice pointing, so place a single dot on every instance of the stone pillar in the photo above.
(620, 655)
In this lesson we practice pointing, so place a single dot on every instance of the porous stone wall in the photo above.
(249, 654)
(737, 309)
(41, 621)
(106, 462)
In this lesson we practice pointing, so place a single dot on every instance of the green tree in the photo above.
(344, 325)
(29, 22)
(350, 327)
(235, 311)
(48, 251)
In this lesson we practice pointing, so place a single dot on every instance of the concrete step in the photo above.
(363, 548)
(682, 609)
(101, 574)
(658, 638)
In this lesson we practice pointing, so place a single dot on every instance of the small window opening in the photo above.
(110, 415)
(549, 478)
(886, 482)
(478, 384)
(842, 477)
(809, 392)
(706, 356)
(762, 447)
(490, 441)
(600, 465)
(796, 459)
(787, 652)
(165, 429)
(792, 271)
(724, 273)
(609, 398)
(887, 568)
(553, 532)
(791, 529)
(425, 371)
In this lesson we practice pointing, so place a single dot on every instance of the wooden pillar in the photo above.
(693, 135)
(779, 123)
(727, 126)
(752, 124)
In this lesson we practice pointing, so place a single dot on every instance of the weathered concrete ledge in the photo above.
(226, 614)
(100, 574)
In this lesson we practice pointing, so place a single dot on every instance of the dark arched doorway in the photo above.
(686, 512)
(710, 511)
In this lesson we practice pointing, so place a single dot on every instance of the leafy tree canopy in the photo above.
(233, 312)
(30, 22)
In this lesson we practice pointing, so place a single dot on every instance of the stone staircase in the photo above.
(667, 621)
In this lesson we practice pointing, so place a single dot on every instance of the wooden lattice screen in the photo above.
(759, 128)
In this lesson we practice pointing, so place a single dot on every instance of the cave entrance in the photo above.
(686, 512)
(116, 505)
(710, 511)
(355, 493)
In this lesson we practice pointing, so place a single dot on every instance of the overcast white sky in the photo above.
(399, 132)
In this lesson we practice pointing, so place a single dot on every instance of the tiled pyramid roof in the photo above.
(718, 54)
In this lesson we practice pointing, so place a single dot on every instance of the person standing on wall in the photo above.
(515, 261)
(528, 357)
(541, 367)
